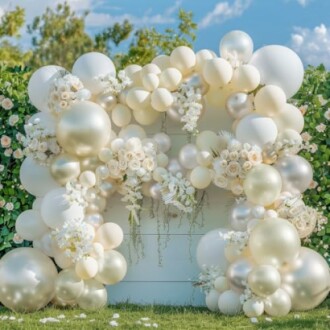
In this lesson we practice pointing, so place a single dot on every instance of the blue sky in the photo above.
(303, 25)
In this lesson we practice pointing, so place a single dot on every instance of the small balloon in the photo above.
(239, 215)
(94, 296)
(107, 101)
(110, 235)
(239, 105)
(86, 268)
(278, 304)
(211, 300)
(238, 272)
(65, 168)
(68, 285)
(229, 303)
(188, 156)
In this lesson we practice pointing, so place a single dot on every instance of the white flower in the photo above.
(234, 145)
(9, 206)
(133, 144)
(322, 100)
(134, 165)
(306, 136)
(321, 128)
(13, 119)
(8, 152)
(247, 166)
(1, 168)
(149, 164)
(113, 323)
(236, 187)
(220, 181)
(313, 148)
(18, 154)
(224, 154)
(233, 169)
(7, 104)
(17, 239)
(327, 114)
(255, 156)
(5, 141)
(42, 147)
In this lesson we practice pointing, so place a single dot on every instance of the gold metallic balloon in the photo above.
(64, 168)
(278, 304)
(107, 101)
(84, 130)
(27, 280)
(94, 295)
(68, 285)
(306, 279)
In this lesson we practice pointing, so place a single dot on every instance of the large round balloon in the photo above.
(36, 178)
(280, 66)
(68, 285)
(39, 84)
(90, 66)
(84, 130)
(94, 295)
(278, 304)
(274, 241)
(211, 250)
(307, 280)
(27, 280)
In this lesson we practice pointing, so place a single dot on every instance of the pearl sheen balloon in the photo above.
(238, 272)
(253, 308)
(239, 215)
(200, 177)
(238, 105)
(280, 66)
(65, 168)
(94, 295)
(163, 142)
(27, 280)
(278, 248)
(110, 235)
(86, 268)
(246, 78)
(307, 280)
(229, 303)
(183, 58)
(278, 304)
(68, 285)
(217, 72)
(188, 156)
(296, 173)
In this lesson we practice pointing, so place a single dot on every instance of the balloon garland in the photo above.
(76, 161)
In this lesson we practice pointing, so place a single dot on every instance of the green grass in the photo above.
(166, 317)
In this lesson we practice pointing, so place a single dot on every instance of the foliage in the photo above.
(14, 107)
(314, 99)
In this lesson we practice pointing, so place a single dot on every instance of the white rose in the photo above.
(134, 165)
(247, 166)
(220, 181)
(149, 164)
(233, 155)
(254, 157)
(224, 154)
(233, 169)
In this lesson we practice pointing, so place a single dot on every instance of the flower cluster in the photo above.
(178, 191)
(64, 92)
(40, 142)
(188, 102)
(114, 85)
(247, 294)
(233, 163)
(237, 238)
(75, 238)
(207, 278)
(75, 193)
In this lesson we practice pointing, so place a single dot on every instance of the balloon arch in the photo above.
(76, 161)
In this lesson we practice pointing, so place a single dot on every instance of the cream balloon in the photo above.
(133, 72)
(35, 178)
(270, 100)
(163, 142)
(132, 131)
(89, 163)
(184, 59)
(84, 130)
(162, 61)
(204, 158)
(306, 279)
(208, 141)
(233, 252)
(138, 98)
(262, 185)
(236, 45)
(211, 300)
(40, 84)
(150, 81)
(90, 66)
(246, 78)
(277, 249)
(45, 120)
(112, 267)
(201, 57)
(68, 285)
(86, 268)
(289, 118)
(221, 284)
(87, 179)
(27, 280)
(110, 235)
(30, 226)
(217, 72)
(121, 115)
(253, 308)
(65, 168)
(150, 68)
(256, 130)
(162, 160)
(278, 304)
(161, 99)
(56, 209)
(229, 303)
(107, 101)
(170, 79)
(238, 105)
(200, 177)
(264, 280)
(147, 116)
(280, 66)
(45, 244)
(61, 259)
(37, 204)
(238, 272)
(94, 295)
(188, 156)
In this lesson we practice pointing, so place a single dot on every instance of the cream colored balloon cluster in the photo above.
(87, 143)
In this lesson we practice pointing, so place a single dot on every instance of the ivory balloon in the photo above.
(40, 83)
(211, 250)
(262, 185)
(87, 179)
(132, 131)
(208, 141)
(188, 156)
(183, 58)
(107, 101)
(133, 72)
(229, 303)
(27, 280)
(211, 300)
(253, 308)
(296, 173)
(162, 61)
(306, 279)
(121, 115)
(238, 272)
(163, 142)
(150, 68)
(200, 177)
(236, 44)
(278, 304)
(89, 163)
(246, 78)
(35, 178)
(264, 280)
(239, 215)
(84, 130)
(201, 57)
(29, 225)
(217, 72)
(147, 116)
(94, 295)
(256, 130)
(170, 78)
(94, 219)
(238, 105)
(112, 267)
(110, 235)
(233, 252)
(65, 168)
(161, 99)
(270, 100)
(68, 285)
(150, 81)
(45, 244)
(280, 66)
(61, 259)
(86, 268)
(221, 284)
(277, 249)
(56, 209)
(289, 118)
(90, 66)
(138, 98)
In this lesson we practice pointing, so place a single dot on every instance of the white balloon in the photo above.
(208, 141)
(211, 300)
(280, 66)
(253, 308)
(163, 141)
(150, 68)
(229, 303)
(200, 177)
(39, 84)
(170, 78)
(90, 66)
(150, 81)
(289, 118)
(45, 120)
(132, 131)
(162, 61)
(221, 284)
(211, 250)
(86, 268)
(138, 98)
(246, 78)
(188, 156)
(121, 115)
(217, 72)
(146, 116)
(161, 99)
(35, 178)
(56, 209)
(201, 57)
(133, 72)
(45, 244)
(183, 58)
(110, 235)
(87, 179)
(37, 204)
(256, 130)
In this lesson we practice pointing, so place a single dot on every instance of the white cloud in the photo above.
(312, 45)
(223, 11)
(303, 3)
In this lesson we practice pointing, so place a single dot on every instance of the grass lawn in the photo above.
(163, 317)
